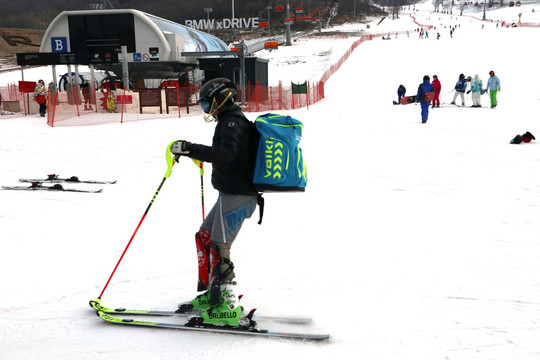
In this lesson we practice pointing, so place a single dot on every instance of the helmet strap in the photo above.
(214, 108)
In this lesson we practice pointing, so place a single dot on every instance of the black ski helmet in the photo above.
(426, 77)
(219, 93)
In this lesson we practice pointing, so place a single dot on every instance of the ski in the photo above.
(56, 187)
(53, 178)
(249, 331)
(96, 305)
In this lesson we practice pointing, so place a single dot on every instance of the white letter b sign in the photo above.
(58, 44)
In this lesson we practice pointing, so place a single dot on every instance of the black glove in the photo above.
(181, 147)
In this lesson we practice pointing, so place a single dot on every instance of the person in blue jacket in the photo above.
(461, 86)
(424, 88)
(493, 86)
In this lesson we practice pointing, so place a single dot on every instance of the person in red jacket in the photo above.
(437, 86)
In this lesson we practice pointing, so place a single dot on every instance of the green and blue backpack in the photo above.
(279, 163)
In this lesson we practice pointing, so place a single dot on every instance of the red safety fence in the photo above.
(271, 98)
(93, 106)
(10, 99)
(10, 92)
(70, 104)
(332, 69)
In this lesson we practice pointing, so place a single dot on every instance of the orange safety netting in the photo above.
(96, 106)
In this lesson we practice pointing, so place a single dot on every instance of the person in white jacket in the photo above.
(476, 89)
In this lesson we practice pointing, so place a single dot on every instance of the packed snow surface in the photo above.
(413, 241)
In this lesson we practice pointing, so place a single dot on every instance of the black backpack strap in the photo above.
(260, 203)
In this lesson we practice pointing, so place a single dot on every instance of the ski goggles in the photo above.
(205, 104)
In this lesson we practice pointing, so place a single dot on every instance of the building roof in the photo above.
(194, 40)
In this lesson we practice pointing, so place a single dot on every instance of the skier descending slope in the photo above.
(232, 155)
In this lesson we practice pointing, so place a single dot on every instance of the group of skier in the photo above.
(475, 86)
(469, 85)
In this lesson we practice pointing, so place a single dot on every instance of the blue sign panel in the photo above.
(59, 44)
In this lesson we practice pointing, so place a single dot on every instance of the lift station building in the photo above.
(155, 48)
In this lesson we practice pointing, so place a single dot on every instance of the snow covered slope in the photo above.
(418, 241)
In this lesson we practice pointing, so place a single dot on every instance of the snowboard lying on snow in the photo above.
(412, 99)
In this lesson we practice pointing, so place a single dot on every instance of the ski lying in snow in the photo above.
(96, 305)
(56, 187)
(53, 178)
(250, 331)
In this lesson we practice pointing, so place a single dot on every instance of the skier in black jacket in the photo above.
(232, 154)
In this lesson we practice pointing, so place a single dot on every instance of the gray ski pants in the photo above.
(227, 216)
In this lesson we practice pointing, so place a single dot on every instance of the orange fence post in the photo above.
(257, 98)
(280, 95)
(271, 97)
(307, 95)
(48, 107)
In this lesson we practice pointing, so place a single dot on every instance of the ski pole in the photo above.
(200, 164)
(170, 164)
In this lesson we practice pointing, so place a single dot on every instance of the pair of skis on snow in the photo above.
(57, 184)
(117, 316)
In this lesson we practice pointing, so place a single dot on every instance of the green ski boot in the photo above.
(199, 304)
(227, 313)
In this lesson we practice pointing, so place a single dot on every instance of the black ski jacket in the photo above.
(232, 154)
